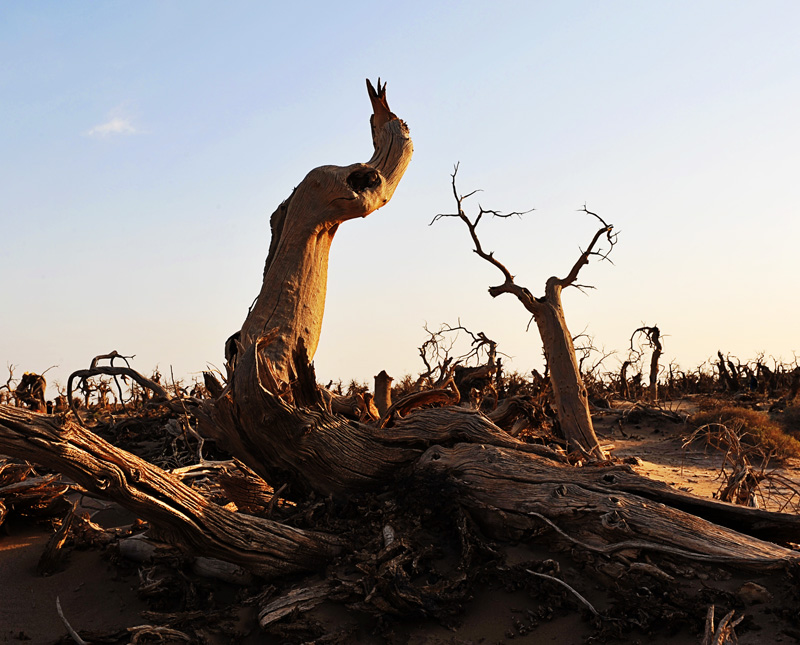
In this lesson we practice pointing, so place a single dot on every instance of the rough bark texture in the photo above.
(311, 449)
(511, 488)
(182, 515)
(514, 493)
(569, 392)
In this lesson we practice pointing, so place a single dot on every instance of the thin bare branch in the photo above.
(590, 251)
(472, 227)
(568, 587)
(72, 633)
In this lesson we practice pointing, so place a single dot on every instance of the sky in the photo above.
(143, 147)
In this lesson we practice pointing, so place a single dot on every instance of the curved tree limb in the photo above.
(292, 297)
(583, 260)
(107, 370)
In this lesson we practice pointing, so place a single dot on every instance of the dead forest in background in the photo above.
(747, 410)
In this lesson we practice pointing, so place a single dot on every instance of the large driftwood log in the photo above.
(512, 494)
(181, 515)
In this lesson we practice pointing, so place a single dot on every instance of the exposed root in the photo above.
(566, 586)
(73, 634)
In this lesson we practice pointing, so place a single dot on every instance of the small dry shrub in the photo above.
(790, 421)
(755, 428)
(403, 386)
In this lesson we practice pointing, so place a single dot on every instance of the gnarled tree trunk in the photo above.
(569, 392)
(653, 337)
(292, 298)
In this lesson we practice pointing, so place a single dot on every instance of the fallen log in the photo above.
(513, 494)
(182, 515)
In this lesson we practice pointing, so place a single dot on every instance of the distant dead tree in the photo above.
(727, 374)
(6, 391)
(472, 381)
(590, 359)
(30, 391)
(767, 379)
(623, 379)
(569, 391)
(794, 387)
(652, 337)
(475, 369)
(435, 355)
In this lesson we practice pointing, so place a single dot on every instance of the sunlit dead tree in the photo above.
(569, 391)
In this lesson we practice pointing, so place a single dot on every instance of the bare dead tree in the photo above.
(590, 358)
(292, 296)
(623, 379)
(435, 355)
(728, 379)
(81, 378)
(474, 381)
(572, 402)
(8, 396)
(30, 391)
(653, 340)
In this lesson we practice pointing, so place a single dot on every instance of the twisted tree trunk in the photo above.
(291, 302)
(569, 391)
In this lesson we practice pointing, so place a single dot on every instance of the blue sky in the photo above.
(144, 146)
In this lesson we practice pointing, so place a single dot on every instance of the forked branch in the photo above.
(472, 226)
(607, 231)
(509, 286)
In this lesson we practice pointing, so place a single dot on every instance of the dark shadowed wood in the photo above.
(383, 392)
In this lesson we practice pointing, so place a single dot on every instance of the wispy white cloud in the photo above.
(116, 125)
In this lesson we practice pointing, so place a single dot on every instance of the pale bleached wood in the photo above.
(512, 493)
(292, 296)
